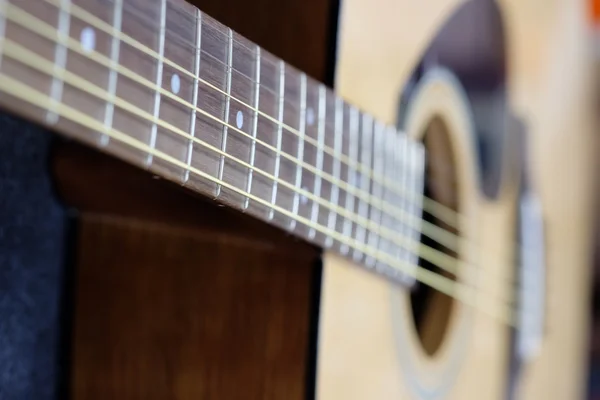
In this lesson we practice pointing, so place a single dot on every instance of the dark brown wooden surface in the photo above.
(164, 313)
(176, 298)
(296, 31)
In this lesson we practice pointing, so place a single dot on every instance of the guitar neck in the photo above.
(166, 87)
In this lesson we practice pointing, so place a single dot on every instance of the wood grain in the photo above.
(165, 314)
(177, 298)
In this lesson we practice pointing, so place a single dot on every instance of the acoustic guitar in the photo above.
(408, 218)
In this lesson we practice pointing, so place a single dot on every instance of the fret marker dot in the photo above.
(303, 198)
(310, 116)
(239, 119)
(175, 83)
(88, 39)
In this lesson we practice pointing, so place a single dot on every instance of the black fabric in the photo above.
(33, 228)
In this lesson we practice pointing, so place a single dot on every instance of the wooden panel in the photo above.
(297, 31)
(162, 313)
(178, 298)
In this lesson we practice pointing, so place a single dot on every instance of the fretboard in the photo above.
(166, 87)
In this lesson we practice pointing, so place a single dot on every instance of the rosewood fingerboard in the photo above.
(165, 87)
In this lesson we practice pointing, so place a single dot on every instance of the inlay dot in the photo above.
(310, 116)
(239, 119)
(87, 38)
(175, 83)
(303, 198)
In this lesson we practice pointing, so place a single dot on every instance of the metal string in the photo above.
(440, 235)
(466, 294)
(16, 51)
(442, 212)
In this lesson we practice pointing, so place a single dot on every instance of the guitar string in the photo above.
(434, 208)
(503, 312)
(442, 260)
(437, 209)
(25, 56)
(438, 258)
(440, 235)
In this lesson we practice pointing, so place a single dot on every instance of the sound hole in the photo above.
(431, 309)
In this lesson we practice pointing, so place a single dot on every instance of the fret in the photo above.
(240, 114)
(279, 135)
(113, 74)
(319, 162)
(310, 154)
(376, 189)
(268, 135)
(399, 222)
(417, 171)
(254, 124)
(60, 60)
(300, 154)
(353, 141)
(404, 227)
(190, 150)
(82, 40)
(290, 143)
(335, 190)
(340, 221)
(212, 97)
(365, 181)
(327, 165)
(227, 107)
(159, 79)
(389, 165)
(181, 31)
(139, 21)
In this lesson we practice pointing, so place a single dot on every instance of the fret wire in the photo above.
(353, 152)
(334, 196)
(186, 175)
(254, 125)
(388, 143)
(418, 180)
(429, 205)
(367, 127)
(227, 104)
(60, 59)
(85, 15)
(401, 171)
(141, 80)
(159, 73)
(39, 26)
(321, 138)
(467, 294)
(374, 213)
(410, 179)
(279, 134)
(300, 156)
(112, 74)
(407, 184)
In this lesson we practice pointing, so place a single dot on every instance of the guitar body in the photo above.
(160, 294)
(369, 346)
